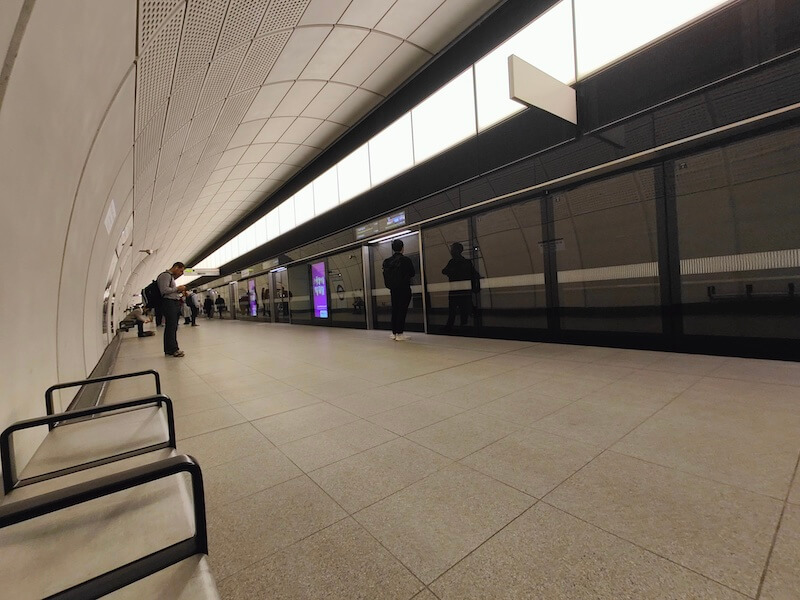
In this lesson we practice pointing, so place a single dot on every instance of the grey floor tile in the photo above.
(547, 553)
(736, 441)
(634, 393)
(783, 574)
(236, 395)
(208, 420)
(310, 378)
(716, 530)
(688, 364)
(365, 478)
(463, 434)
(524, 407)
(794, 492)
(340, 562)
(706, 419)
(302, 422)
(534, 462)
(408, 418)
(484, 391)
(568, 387)
(767, 371)
(274, 404)
(598, 422)
(248, 530)
(661, 381)
(218, 447)
(316, 451)
(244, 476)
(633, 359)
(436, 522)
(374, 400)
(186, 404)
(338, 388)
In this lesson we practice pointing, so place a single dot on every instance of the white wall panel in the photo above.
(52, 109)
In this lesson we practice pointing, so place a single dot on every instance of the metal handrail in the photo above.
(106, 583)
(10, 480)
(48, 395)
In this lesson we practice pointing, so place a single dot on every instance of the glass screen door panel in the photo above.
(436, 245)
(346, 289)
(606, 252)
(510, 260)
(300, 293)
(381, 301)
(263, 306)
(280, 296)
(739, 238)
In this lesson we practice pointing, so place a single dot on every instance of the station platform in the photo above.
(342, 464)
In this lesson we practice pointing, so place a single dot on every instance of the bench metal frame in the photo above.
(10, 479)
(48, 395)
(106, 583)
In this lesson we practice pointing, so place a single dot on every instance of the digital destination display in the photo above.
(384, 224)
(319, 286)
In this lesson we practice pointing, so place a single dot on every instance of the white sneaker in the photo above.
(392, 337)
(401, 337)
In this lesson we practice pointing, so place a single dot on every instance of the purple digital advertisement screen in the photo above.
(251, 292)
(319, 285)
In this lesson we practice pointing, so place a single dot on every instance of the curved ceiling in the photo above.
(234, 97)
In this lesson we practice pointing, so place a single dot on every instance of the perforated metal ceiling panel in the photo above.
(234, 97)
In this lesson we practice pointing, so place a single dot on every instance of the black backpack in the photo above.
(393, 276)
(151, 295)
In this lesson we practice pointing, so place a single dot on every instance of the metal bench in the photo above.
(137, 533)
(85, 444)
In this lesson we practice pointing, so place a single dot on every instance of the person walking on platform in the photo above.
(220, 305)
(171, 307)
(194, 306)
(397, 273)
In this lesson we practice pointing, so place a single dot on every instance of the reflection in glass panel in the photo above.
(511, 262)
(304, 205)
(444, 118)
(606, 250)
(346, 287)
(436, 244)
(299, 293)
(546, 44)
(262, 296)
(353, 174)
(381, 299)
(222, 301)
(326, 192)
(739, 238)
(608, 30)
(390, 152)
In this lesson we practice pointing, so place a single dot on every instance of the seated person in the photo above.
(139, 316)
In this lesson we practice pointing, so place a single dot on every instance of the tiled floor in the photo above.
(341, 464)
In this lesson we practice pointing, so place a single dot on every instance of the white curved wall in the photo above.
(66, 134)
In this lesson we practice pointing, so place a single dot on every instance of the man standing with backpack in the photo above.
(171, 307)
(397, 273)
